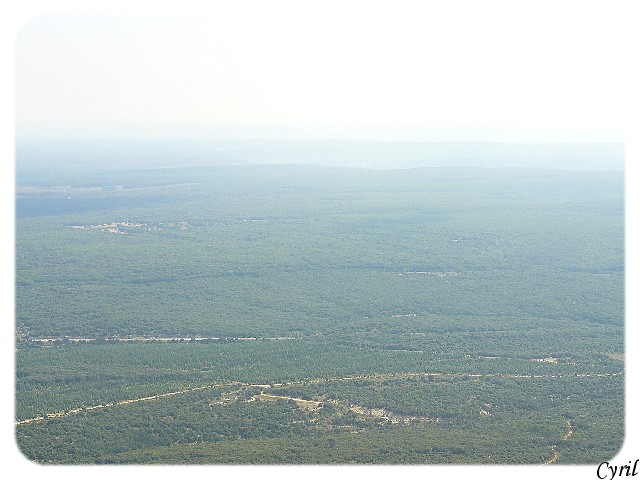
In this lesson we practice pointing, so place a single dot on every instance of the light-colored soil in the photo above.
(112, 227)
(437, 274)
(441, 275)
(115, 227)
(159, 339)
(383, 414)
(554, 456)
(305, 404)
(567, 435)
(616, 356)
(121, 402)
(547, 360)
(312, 404)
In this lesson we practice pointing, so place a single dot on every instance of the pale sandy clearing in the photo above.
(616, 356)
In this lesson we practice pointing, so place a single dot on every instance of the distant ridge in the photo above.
(128, 153)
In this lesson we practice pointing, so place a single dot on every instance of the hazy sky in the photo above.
(400, 72)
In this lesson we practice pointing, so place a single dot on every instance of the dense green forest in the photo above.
(299, 314)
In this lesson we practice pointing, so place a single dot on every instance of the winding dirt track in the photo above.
(121, 402)
(555, 456)
(567, 435)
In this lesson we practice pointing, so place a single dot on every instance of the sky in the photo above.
(440, 71)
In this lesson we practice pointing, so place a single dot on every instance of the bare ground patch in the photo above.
(616, 356)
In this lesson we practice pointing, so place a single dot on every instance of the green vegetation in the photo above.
(426, 316)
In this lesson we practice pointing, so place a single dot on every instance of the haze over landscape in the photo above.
(382, 74)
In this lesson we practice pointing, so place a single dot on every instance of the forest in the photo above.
(299, 314)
